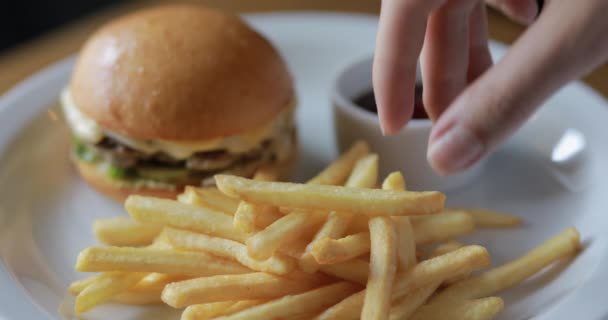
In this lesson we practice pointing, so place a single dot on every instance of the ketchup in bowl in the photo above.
(367, 101)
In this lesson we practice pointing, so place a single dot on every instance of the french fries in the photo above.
(485, 218)
(208, 198)
(104, 288)
(353, 270)
(364, 175)
(334, 248)
(248, 216)
(442, 227)
(124, 231)
(294, 224)
(248, 286)
(183, 216)
(138, 297)
(127, 259)
(287, 229)
(404, 307)
(432, 229)
(348, 308)
(446, 247)
(508, 275)
(338, 171)
(327, 197)
(206, 310)
(428, 272)
(480, 309)
(331, 251)
(215, 309)
(77, 286)
(278, 264)
(305, 304)
(460, 261)
(382, 266)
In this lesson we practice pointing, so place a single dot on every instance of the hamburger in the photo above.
(168, 97)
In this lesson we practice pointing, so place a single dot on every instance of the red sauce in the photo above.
(367, 101)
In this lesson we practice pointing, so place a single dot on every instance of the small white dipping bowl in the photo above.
(404, 151)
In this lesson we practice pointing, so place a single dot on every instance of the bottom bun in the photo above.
(119, 192)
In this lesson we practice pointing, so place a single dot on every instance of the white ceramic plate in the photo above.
(46, 211)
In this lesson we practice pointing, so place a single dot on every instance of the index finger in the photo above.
(399, 40)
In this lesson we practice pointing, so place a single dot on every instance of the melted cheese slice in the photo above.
(89, 131)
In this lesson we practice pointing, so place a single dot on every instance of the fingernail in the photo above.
(454, 150)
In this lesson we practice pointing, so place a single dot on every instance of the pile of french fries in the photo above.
(337, 247)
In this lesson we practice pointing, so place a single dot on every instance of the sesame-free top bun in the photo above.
(181, 73)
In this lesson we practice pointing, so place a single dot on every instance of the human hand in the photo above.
(475, 105)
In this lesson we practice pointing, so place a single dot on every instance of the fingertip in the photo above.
(454, 150)
(393, 124)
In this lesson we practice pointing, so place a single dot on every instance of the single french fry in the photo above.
(348, 308)
(216, 309)
(293, 306)
(337, 172)
(183, 216)
(278, 264)
(442, 227)
(232, 287)
(327, 197)
(355, 270)
(244, 217)
(510, 274)
(154, 280)
(446, 247)
(96, 259)
(383, 267)
(150, 282)
(295, 249)
(423, 274)
(124, 231)
(486, 218)
(404, 307)
(480, 309)
(104, 288)
(330, 251)
(137, 297)
(206, 310)
(363, 175)
(394, 181)
(287, 229)
(209, 197)
(148, 289)
(77, 286)
(358, 223)
(405, 233)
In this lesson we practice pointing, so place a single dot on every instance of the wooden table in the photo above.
(19, 63)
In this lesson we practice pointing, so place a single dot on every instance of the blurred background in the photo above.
(35, 33)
